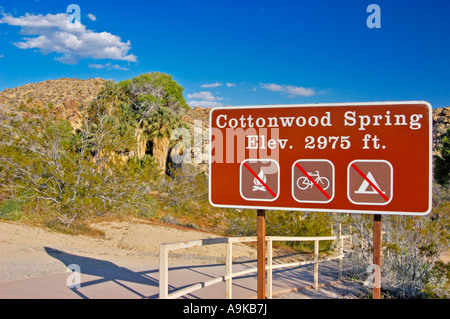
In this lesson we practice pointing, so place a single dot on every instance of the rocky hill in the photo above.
(441, 124)
(69, 97)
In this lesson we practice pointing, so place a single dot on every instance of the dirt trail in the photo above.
(30, 251)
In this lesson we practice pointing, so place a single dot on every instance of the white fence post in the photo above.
(269, 268)
(163, 272)
(316, 265)
(229, 271)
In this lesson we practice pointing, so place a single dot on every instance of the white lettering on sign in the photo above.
(363, 121)
(351, 118)
(222, 121)
(259, 136)
(259, 142)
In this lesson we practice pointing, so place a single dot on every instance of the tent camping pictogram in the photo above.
(370, 182)
(366, 188)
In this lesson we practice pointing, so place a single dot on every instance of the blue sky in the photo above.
(238, 52)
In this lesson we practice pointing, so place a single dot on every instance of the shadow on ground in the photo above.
(104, 279)
(105, 271)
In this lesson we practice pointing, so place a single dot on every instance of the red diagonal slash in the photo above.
(312, 181)
(370, 182)
(259, 179)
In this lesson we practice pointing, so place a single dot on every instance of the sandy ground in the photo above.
(29, 251)
(343, 289)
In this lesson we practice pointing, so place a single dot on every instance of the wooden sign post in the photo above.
(377, 256)
(261, 254)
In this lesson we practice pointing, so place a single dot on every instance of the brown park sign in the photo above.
(356, 157)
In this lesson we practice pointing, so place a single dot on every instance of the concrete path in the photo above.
(105, 280)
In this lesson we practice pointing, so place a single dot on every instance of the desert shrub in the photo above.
(282, 223)
(65, 178)
(11, 210)
(185, 191)
(241, 222)
(411, 248)
(442, 162)
(437, 281)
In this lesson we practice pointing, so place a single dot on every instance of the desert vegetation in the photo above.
(111, 162)
(411, 250)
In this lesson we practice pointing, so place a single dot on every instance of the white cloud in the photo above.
(92, 17)
(212, 85)
(204, 99)
(108, 66)
(204, 104)
(231, 84)
(272, 87)
(290, 90)
(1, 56)
(53, 33)
(207, 96)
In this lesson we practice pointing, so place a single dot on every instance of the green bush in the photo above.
(282, 223)
(185, 192)
(442, 162)
(437, 281)
(11, 210)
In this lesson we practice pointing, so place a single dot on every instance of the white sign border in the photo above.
(355, 211)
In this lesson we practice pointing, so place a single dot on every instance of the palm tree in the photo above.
(159, 127)
(157, 101)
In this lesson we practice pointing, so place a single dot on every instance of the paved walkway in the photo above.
(104, 280)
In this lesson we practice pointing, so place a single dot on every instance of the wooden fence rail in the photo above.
(229, 275)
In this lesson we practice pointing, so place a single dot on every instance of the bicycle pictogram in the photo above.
(304, 182)
(313, 181)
